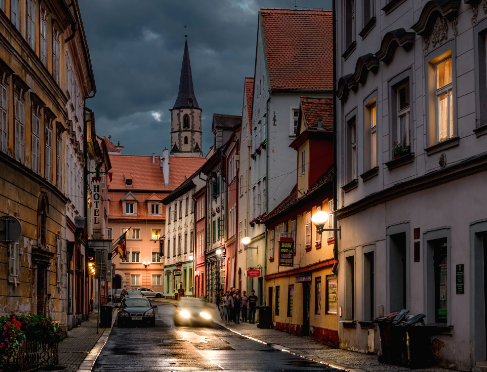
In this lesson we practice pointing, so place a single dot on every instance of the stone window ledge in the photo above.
(391, 5)
(405, 159)
(371, 173)
(368, 27)
(350, 186)
(367, 324)
(480, 131)
(349, 323)
(349, 50)
(443, 145)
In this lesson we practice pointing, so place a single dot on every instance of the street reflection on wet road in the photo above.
(169, 348)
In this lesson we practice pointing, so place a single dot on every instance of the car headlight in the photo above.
(184, 314)
(205, 315)
(149, 312)
(123, 313)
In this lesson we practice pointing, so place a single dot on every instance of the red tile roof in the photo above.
(299, 48)
(110, 146)
(315, 109)
(148, 176)
(154, 197)
(116, 207)
(249, 94)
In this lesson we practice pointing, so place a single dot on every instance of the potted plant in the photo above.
(400, 150)
(13, 337)
(257, 150)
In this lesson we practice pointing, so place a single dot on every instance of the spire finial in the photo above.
(186, 35)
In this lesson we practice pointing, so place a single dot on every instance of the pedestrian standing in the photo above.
(243, 305)
(252, 301)
(227, 306)
(232, 311)
(238, 301)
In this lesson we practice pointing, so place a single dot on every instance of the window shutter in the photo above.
(318, 236)
(271, 255)
(308, 229)
(331, 234)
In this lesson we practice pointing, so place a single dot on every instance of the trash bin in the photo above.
(418, 351)
(265, 317)
(391, 342)
(106, 316)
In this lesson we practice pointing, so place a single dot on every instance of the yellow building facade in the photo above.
(33, 137)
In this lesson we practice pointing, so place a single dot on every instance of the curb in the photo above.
(88, 363)
(328, 363)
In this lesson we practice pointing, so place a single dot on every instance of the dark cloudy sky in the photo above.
(136, 49)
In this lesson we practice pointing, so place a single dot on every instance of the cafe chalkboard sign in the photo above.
(460, 279)
(286, 252)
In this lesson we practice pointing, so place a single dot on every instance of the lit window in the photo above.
(373, 135)
(156, 234)
(444, 104)
(290, 300)
(403, 115)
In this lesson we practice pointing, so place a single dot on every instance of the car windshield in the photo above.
(191, 302)
(137, 302)
(134, 293)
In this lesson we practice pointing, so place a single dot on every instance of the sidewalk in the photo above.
(312, 349)
(78, 344)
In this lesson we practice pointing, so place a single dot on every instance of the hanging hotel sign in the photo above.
(96, 205)
(286, 249)
(253, 273)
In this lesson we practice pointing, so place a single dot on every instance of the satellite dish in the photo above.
(10, 229)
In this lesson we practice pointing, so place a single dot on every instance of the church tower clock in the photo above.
(186, 115)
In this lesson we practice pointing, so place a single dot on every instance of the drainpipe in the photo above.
(264, 266)
(335, 144)
(194, 243)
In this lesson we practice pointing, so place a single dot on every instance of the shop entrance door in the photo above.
(306, 301)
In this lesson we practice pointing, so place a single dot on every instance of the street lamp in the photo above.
(190, 258)
(246, 241)
(146, 264)
(319, 219)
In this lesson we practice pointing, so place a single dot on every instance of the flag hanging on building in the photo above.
(120, 246)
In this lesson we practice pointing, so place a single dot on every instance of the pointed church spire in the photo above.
(186, 97)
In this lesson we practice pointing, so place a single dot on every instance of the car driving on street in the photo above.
(136, 310)
(192, 311)
(147, 292)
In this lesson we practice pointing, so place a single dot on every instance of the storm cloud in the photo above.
(136, 49)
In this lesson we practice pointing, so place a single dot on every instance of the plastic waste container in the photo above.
(265, 317)
(391, 342)
(106, 316)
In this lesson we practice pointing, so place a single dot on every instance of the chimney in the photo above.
(153, 158)
(165, 166)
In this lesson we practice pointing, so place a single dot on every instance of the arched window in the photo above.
(186, 140)
(186, 121)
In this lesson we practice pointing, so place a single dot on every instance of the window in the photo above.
(185, 140)
(135, 256)
(352, 163)
(109, 233)
(371, 152)
(179, 245)
(185, 243)
(135, 234)
(308, 230)
(154, 208)
(48, 151)
(43, 36)
(156, 234)
(294, 121)
(129, 208)
(303, 161)
(180, 209)
(293, 235)
(19, 128)
(368, 11)
(271, 246)
(403, 115)
(56, 56)
(369, 286)
(134, 279)
(128, 182)
(331, 295)
(168, 247)
(241, 186)
(3, 116)
(259, 200)
(444, 104)
(318, 295)
(331, 234)
(15, 11)
(174, 247)
(317, 234)
(350, 288)
(290, 300)
(278, 295)
(169, 216)
(31, 24)
(2, 5)
(349, 22)
(214, 230)
(36, 139)
(186, 122)
(156, 257)
(59, 150)
(191, 242)
(187, 205)
(156, 279)
(14, 263)
(440, 264)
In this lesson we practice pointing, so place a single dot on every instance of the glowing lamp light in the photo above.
(245, 240)
(319, 218)
(218, 251)
(190, 258)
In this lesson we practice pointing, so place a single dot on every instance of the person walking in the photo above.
(243, 306)
(237, 304)
(252, 301)
(227, 307)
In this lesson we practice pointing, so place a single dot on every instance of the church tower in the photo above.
(186, 115)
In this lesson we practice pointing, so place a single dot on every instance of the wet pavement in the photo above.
(169, 348)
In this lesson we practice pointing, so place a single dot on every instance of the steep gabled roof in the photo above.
(226, 121)
(153, 197)
(299, 49)
(249, 95)
(129, 196)
(186, 90)
(110, 146)
(316, 109)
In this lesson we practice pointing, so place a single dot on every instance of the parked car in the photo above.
(136, 310)
(192, 311)
(147, 292)
(131, 293)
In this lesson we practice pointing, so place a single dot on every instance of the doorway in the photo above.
(270, 299)
(306, 295)
(398, 267)
(117, 282)
(41, 289)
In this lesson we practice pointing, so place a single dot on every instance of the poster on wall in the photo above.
(331, 295)
(286, 246)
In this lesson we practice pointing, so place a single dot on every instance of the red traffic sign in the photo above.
(253, 273)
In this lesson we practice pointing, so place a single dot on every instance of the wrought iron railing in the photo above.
(30, 357)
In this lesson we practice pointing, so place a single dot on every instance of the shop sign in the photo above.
(253, 273)
(286, 250)
(177, 272)
(460, 279)
(96, 207)
(303, 279)
(178, 267)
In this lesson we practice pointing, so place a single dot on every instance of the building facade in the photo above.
(199, 198)
(411, 152)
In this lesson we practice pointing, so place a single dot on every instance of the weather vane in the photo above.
(186, 35)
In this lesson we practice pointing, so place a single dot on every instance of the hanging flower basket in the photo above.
(263, 145)
(257, 150)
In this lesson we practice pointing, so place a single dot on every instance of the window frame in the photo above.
(15, 16)
(371, 103)
(349, 21)
(19, 125)
(447, 90)
(308, 230)
(155, 237)
(36, 138)
(4, 113)
(137, 281)
(318, 296)
(135, 252)
(48, 129)
(290, 300)
(43, 18)
(294, 121)
(351, 166)
(158, 255)
(330, 278)
(59, 158)
(156, 276)
(480, 48)
(31, 24)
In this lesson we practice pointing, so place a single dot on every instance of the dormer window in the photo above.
(129, 208)
(128, 182)
(155, 209)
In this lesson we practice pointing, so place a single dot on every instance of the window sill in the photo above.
(330, 241)
(405, 159)
(350, 49)
(371, 173)
(368, 27)
(480, 131)
(271, 259)
(349, 323)
(443, 145)
(367, 324)
(350, 186)
(308, 249)
(391, 5)
(318, 245)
